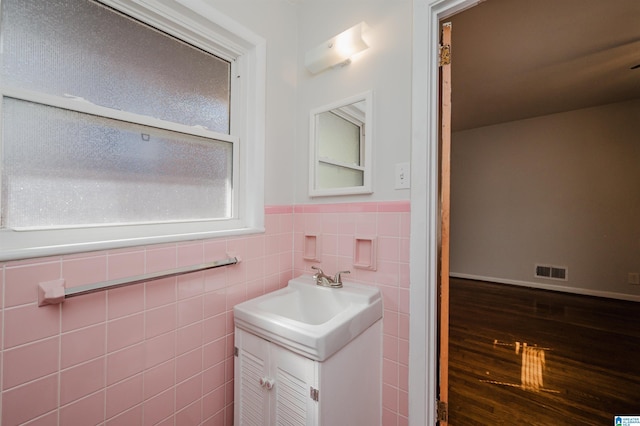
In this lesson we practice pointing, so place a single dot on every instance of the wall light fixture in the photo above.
(337, 50)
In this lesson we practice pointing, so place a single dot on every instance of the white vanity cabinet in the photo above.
(276, 386)
(272, 384)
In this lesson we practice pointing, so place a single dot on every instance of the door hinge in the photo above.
(442, 411)
(235, 351)
(445, 54)
(315, 394)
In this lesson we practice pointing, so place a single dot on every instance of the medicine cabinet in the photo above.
(341, 147)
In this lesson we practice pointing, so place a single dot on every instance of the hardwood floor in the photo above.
(581, 361)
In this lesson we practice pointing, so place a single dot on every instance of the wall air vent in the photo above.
(552, 272)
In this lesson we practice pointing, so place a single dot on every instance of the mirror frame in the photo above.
(366, 145)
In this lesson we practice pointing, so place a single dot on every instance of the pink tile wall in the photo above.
(162, 352)
(338, 225)
(154, 353)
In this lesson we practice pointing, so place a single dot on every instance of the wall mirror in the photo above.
(340, 147)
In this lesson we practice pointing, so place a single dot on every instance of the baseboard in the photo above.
(552, 287)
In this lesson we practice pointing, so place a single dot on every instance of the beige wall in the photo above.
(562, 189)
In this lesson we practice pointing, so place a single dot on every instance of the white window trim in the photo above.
(198, 23)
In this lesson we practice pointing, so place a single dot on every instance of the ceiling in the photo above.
(516, 59)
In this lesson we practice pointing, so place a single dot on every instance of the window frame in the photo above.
(197, 23)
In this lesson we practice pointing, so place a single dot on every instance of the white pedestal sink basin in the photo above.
(311, 320)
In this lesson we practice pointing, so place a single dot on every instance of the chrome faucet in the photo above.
(327, 281)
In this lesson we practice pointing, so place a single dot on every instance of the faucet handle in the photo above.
(320, 277)
(338, 278)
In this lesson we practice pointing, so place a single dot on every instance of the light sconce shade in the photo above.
(337, 50)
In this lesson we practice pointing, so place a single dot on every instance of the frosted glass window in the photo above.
(83, 49)
(62, 168)
(121, 125)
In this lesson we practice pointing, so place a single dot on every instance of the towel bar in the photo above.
(54, 292)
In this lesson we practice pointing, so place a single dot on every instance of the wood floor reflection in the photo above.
(521, 356)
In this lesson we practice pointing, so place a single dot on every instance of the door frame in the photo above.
(423, 321)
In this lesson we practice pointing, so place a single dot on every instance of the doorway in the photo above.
(531, 177)
(427, 15)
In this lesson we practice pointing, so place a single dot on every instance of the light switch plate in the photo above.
(403, 176)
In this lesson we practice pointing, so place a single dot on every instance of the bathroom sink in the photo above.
(311, 320)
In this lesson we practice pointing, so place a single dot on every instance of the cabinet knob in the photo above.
(266, 382)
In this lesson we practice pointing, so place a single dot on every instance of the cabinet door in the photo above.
(251, 369)
(294, 377)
